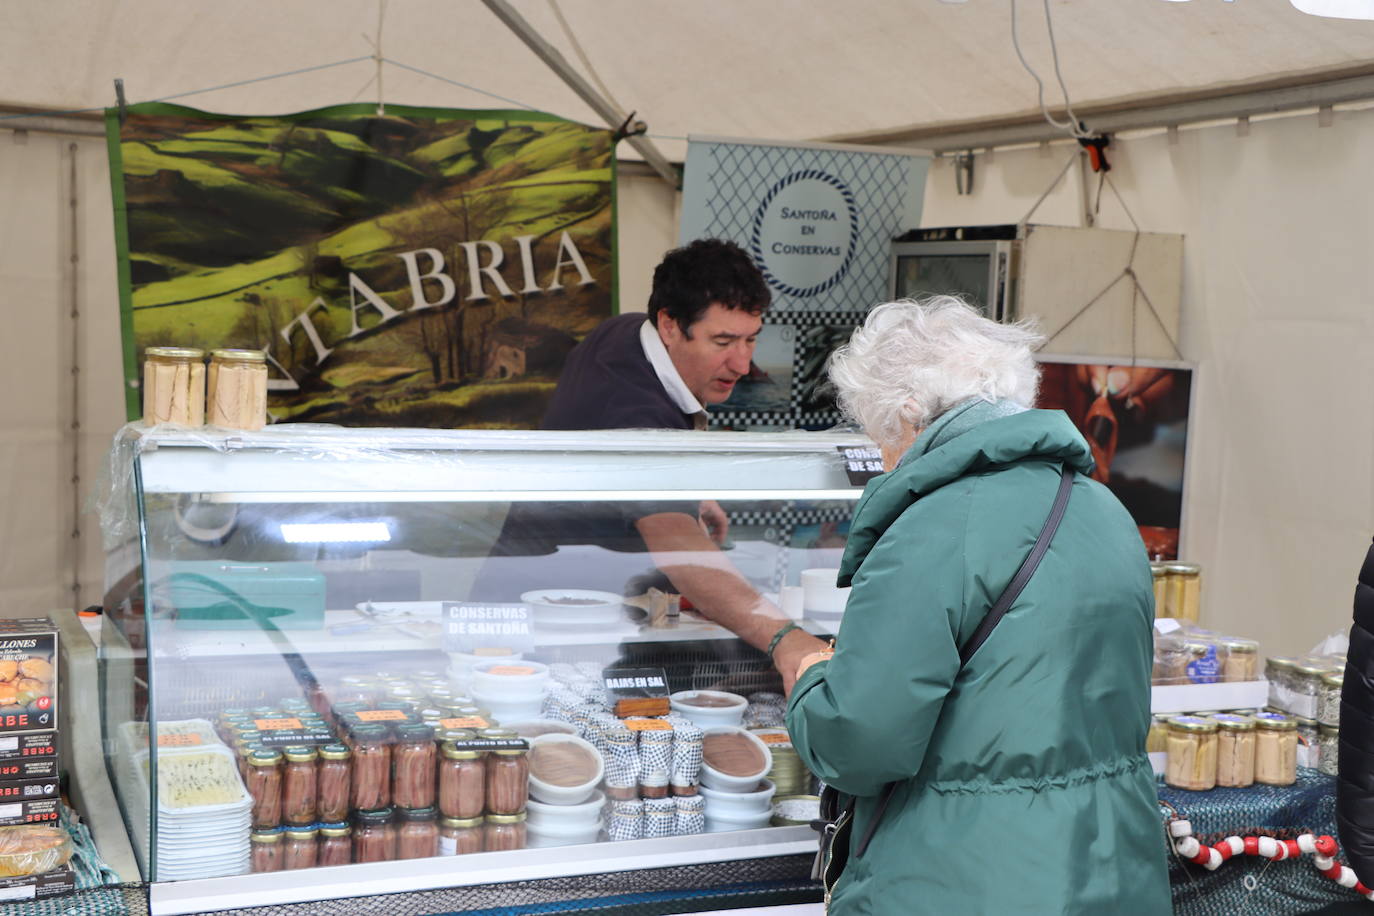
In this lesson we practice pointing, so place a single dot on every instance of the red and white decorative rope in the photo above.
(1322, 849)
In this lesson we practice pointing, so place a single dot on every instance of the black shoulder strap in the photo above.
(994, 616)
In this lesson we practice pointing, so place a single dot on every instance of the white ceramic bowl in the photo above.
(510, 682)
(460, 665)
(748, 822)
(820, 595)
(533, 728)
(552, 607)
(738, 804)
(539, 836)
(712, 778)
(566, 795)
(551, 818)
(705, 716)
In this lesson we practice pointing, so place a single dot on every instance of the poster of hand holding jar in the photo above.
(1135, 418)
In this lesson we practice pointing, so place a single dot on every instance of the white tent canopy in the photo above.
(788, 69)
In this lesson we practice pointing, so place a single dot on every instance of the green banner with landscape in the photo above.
(423, 267)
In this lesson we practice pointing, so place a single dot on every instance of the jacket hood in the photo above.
(967, 439)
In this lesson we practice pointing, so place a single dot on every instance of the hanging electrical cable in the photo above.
(582, 56)
(1072, 125)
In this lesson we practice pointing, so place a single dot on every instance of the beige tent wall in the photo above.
(40, 559)
(1277, 315)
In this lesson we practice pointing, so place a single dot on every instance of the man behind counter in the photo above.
(704, 316)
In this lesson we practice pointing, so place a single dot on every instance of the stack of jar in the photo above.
(1309, 688)
(1192, 655)
(1231, 750)
(1178, 590)
(301, 800)
(175, 387)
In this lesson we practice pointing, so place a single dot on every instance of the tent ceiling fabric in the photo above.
(786, 69)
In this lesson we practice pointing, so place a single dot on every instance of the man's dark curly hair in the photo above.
(691, 278)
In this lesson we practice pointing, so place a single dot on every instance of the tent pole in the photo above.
(559, 65)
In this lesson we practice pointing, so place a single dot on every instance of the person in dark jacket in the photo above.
(1355, 779)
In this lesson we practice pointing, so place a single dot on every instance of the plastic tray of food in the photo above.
(201, 782)
(31, 849)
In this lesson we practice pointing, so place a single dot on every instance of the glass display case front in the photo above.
(382, 649)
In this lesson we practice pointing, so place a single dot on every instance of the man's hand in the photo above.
(713, 521)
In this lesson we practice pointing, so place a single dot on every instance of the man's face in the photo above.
(717, 353)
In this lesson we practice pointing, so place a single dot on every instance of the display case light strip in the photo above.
(487, 496)
(335, 533)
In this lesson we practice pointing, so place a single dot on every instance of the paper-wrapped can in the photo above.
(691, 815)
(627, 820)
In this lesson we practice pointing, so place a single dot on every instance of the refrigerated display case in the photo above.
(307, 587)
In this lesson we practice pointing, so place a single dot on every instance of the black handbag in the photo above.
(835, 823)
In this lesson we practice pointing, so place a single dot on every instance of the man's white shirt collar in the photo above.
(666, 371)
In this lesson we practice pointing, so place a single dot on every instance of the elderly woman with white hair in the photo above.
(1013, 780)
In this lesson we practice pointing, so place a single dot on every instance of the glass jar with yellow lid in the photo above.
(174, 386)
(1185, 591)
(1242, 659)
(237, 397)
(1192, 753)
(1276, 749)
(1235, 750)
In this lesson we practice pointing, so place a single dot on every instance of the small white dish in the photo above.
(713, 778)
(509, 681)
(738, 804)
(565, 795)
(533, 728)
(820, 595)
(540, 836)
(748, 822)
(724, 709)
(574, 607)
(551, 817)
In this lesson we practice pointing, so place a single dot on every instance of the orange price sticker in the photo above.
(648, 725)
(510, 670)
(465, 722)
(268, 725)
(775, 738)
(178, 740)
(381, 715)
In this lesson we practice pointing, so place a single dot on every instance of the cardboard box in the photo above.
(31, 768)
(28, 746)
(29, 811)
(28, 674)
(36, 887)
(24, 789)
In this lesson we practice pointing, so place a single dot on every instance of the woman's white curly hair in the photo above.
(913, 360)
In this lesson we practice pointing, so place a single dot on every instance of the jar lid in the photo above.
(267, 835)
(1184, 569)
(1311, 667)
(1231, 722)
(242, 356)
(1238, 644)
(461, 823)
(510, 751)
(453, 752)
(1161, 718)
(370, 733)
(302, 832)
(498, 733)
(430, 712)
(174, 352)
(506, 818)
(335, 828)
(264, 759)
(415, 733)
(373, 816)
(1328, 731)
(301, 754)
(1158, 569)
(427, 813)
(470, 709)
(1274, 721)
(1192, 724)
(454, 734)
(1281, 661)
(335, 752)
(267, 712)
(1304, 722)
(1333, 678)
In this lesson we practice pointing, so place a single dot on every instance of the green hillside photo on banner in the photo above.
(423, 267)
